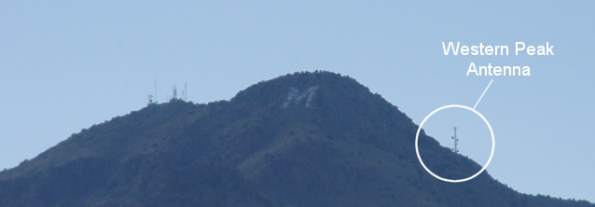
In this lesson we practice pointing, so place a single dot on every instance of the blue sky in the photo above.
(65, 65)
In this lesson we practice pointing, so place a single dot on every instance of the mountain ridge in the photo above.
(304, 139)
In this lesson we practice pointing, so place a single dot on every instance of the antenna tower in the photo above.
(456, 140)
(175, 93)
(152, 97)
(155, 91)
(185, 92)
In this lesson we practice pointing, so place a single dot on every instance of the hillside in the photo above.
(305, 139)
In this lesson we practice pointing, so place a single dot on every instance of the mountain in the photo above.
(304, 139)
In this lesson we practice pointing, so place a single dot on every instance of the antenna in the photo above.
(152, 97)
(185, 92)
(455, 139)
(175, 93)
(155, 90)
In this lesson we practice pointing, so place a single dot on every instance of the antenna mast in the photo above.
(175, 93)
(456, 141)
(151, 101)
(152, 97)
(185, 92)
(155, 90)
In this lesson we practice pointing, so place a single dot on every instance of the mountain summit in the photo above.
(305, 139)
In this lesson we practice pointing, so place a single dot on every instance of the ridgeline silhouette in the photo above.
(306, 139)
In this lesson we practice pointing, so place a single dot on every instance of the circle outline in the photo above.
(485, 165)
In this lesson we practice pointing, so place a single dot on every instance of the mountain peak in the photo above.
(304, 139)
(303, 89)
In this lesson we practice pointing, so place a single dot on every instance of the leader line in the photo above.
(483, 93)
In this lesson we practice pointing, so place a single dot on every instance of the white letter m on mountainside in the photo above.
(295, 97)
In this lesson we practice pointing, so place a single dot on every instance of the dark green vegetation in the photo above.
(306, 139)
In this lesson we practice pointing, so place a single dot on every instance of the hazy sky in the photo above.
(65, 65)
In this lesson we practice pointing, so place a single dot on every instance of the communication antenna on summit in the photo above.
(152, 97)
(174, 93)
(455, 139)
(155, 90)
(185, 92)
